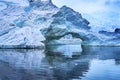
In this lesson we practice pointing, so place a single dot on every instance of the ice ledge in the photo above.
(22, 47)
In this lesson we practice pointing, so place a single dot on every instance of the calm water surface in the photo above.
(66, 62)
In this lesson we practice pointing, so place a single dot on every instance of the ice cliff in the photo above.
(41, 21)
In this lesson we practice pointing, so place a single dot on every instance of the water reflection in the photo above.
(24, 65)
(55, 63)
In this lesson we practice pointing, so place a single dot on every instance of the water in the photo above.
(91, 63)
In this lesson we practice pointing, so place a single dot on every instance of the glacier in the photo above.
(40, 22)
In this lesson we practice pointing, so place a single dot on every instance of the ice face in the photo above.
(40, 1)
(2, 6)
(45, 0)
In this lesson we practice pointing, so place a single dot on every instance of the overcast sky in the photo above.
(83, 6)
(88, 5)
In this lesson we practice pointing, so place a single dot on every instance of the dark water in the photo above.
(61, 63)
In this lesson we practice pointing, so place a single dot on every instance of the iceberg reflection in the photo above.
(66, 50)
(55, 63)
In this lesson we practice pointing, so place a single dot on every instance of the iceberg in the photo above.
(42, 23)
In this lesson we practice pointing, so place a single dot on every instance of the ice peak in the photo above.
(40, 2)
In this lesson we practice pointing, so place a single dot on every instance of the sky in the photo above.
(102, 14)
(88, 6)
